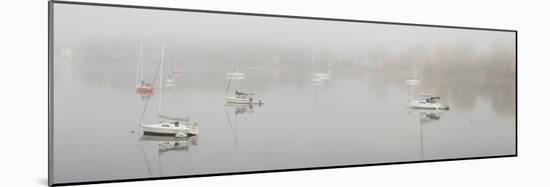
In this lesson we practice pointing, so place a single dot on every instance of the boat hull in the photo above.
(236, 100)
(142, 88)
(412, 82)
(165, 129)
(431, 106)
(235, 76)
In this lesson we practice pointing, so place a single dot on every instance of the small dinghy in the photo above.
(427, 102)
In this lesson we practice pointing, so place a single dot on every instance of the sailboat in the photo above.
(170, 81)
(235, 75)
(319, 78)
(423, 101)
(142, 87)
(239, 97)
(427, 101)
(414, 81)
(171, 126)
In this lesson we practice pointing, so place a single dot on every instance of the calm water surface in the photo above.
(353, 118)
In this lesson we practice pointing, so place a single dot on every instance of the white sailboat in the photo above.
(414, 81)
(171, 128)
(170, 81)
(242, 98)
(239, 97)
(234, 75)
(319, 78)
(426, 101)
(180, 127)
(422, 101)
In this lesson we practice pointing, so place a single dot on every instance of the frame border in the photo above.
(50, 18)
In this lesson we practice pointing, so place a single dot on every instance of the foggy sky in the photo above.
(75, 23)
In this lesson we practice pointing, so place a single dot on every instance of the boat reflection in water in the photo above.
(426, 116)
(319, 79)
(239, 110)
(242, 108)
(162, 145)
(144, 94)
(169, 143)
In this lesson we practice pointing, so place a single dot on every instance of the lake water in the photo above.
(356, 117)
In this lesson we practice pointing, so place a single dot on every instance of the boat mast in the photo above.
(318, 61)
(141, 59)
(161, 78)
(137, 73)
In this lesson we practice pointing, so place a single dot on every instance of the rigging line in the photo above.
(148, 99)
(231, 75)
(156, 73)
(141, 59)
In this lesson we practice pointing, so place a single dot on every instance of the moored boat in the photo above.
(171, 128)
(239, 97)
(235, 75)
(144, 87)
(427, 102)
(242, 98)
(412, 82)
(174, 126)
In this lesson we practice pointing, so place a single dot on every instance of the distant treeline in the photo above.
(460, 58)
(448, 59)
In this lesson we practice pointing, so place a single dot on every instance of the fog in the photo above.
(120, 30)
(358, 113)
